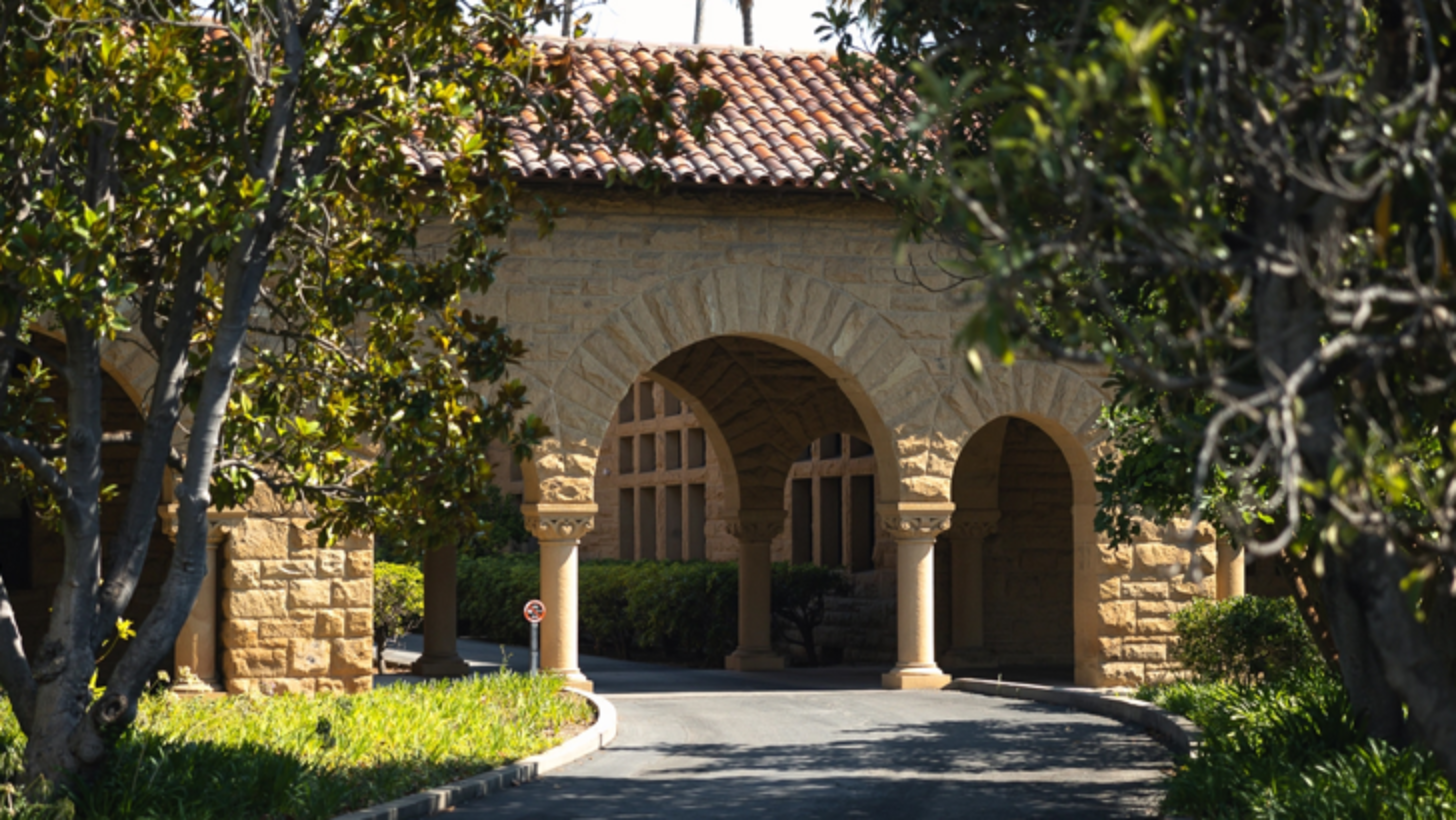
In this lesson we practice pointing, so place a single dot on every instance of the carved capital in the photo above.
(220, 523)
(916, 520)
(560, 522)
(757, 526)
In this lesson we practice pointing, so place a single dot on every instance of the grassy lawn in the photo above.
(297, 756)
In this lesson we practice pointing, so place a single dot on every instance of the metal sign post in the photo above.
(535, 611)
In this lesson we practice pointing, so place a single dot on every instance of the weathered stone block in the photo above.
(329, 685)
(287, 570)
(311, 594)
(1145, 590)
(330, 624)
(1118, 617)
(1157, 652)
(358, 623)
(1122, 674)
(1162, 559)
(238, 634)
(352, 657)
(1157, 609)
(360, 684)
(260, 603)
(357, 593)
(254, 663)
(1110, 648)
(331, 564)
(359, 565)
(285, 629)
(1116, 559)
(1156, 626)
(1110, 589)
(258, 538)
(241, 575)
(308, 658)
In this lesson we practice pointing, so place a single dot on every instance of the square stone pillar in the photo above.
(195, 653)
(1229, 571)
(755, 531)
(559, 528)
(969, 532)
(914, 527)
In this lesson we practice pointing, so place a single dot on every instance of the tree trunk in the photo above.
(698, 22)
(1305, 585)
(567, 9)
(745, 7)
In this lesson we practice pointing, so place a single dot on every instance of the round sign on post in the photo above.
(535, 611)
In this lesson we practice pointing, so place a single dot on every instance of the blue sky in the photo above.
(777, 24)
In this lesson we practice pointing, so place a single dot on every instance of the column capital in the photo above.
(916, 519)
(220, 523)
(975, 523)
(757, 526)
(559, 522)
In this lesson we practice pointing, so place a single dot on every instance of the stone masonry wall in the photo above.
(1141, 585)
(297, 617)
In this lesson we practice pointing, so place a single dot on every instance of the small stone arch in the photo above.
(127, 359)
(884, 379)
(1067, 406)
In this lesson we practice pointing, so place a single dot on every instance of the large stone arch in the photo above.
(881, 375)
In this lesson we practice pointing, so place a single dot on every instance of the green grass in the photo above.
(298, 756)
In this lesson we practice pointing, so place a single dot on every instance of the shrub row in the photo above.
(684, 610)
(1280, 738)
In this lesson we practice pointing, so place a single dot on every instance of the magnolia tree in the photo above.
(238, 187)
(1242, 209)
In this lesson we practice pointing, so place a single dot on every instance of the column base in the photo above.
(915, 677)
(573, 679)
(196, 687)
(440, 666)
(969, 658)
(754, 660)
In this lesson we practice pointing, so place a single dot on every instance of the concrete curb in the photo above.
(437, 800)
(1175, 731)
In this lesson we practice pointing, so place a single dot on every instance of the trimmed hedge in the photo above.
(1244, 640)
(685, 610)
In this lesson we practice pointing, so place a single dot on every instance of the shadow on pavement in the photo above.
(1047, 767)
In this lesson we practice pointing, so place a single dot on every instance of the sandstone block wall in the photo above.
(296, 616)
(1140, 586)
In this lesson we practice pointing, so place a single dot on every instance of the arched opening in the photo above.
(32, 556)
(727, 429)
(1006, 572)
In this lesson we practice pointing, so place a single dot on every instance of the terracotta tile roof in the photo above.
(777, 107)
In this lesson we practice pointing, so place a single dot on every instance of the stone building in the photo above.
(755, 311)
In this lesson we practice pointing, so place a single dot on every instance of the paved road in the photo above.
(831, 744)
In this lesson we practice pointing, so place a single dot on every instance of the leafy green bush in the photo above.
(1293, 749)
(1244, 640)
(687, 610)
(798, 601)
(399, 602)
(313, 756)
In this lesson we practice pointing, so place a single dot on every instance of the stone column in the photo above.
(1229, 574)
(559, 528)
(914, 527)
(968, 534)
(441, 658)
(195, 653)
(755, 531)
(1086, 595)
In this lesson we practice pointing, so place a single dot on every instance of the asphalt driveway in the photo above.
(831, 744)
